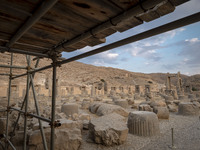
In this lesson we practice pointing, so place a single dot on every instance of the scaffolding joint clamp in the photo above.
(55, 124)
(10, 76)
(8, 108)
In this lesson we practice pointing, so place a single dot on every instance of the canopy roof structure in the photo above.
(67, 25)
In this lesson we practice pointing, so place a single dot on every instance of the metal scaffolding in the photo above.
(31, 73)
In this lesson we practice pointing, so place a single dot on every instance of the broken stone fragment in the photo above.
(188, 108)
(108, 130)
(145, 107)
(104, 109)
(172, 107)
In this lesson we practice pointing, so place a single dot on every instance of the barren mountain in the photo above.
(80, 73)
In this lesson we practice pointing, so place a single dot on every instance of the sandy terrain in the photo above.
(186, 136)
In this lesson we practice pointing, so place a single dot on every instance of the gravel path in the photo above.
(186, 136)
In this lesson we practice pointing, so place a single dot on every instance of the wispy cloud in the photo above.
(149, 48)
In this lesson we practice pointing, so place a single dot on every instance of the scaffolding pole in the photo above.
(15, 125)
(38, 113)
(26, 103)
(11, 66)
(31, 115)
(9, 142)
(53, 104)
(9, 95)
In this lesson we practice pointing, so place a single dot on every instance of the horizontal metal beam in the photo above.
(32, 115)
(13, 50)
(134, 11)
(158, 30)
(2, 110)
(16, 67)
(4, 74)
(43, 8)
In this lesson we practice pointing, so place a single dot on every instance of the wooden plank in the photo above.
(25, 5)
(28, 48)
(5, 36)
(106, 32)
(178, 2)
(97, 10)
(128, 24)
(149, 16)
(125, 4)
(7, 9)
(78, 45)
(92, 41)
(62, 10)
(36, 41)
(69, 49)
(165, 9)
(53, 31)
(7, 25)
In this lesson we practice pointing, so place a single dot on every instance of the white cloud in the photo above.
(193, 40)
(152, 51)
(111, 55)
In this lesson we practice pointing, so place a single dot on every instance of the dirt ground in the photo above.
(186, 136)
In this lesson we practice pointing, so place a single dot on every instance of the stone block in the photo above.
(122, 103)
(162, 112)
(105, 109)
(108, 130)
(69, 109)
(188, 108)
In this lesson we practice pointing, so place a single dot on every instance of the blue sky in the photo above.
(173, 51)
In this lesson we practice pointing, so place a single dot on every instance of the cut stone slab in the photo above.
(69, 109)
(108, 130)
(143, 123)
(162, 112)
(188, 108)
(105, 109)
(122, 103)
(65, 139)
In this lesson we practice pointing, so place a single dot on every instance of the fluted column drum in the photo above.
(143, 123)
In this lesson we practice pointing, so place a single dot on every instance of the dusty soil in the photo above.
(186, 136)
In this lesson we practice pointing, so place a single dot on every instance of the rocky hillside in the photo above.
(79, 73)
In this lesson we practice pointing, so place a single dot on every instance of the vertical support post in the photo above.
(9, 95)
(13, 132)
(26, 102)
(53, 103)
(173, 147)
(38, 113)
